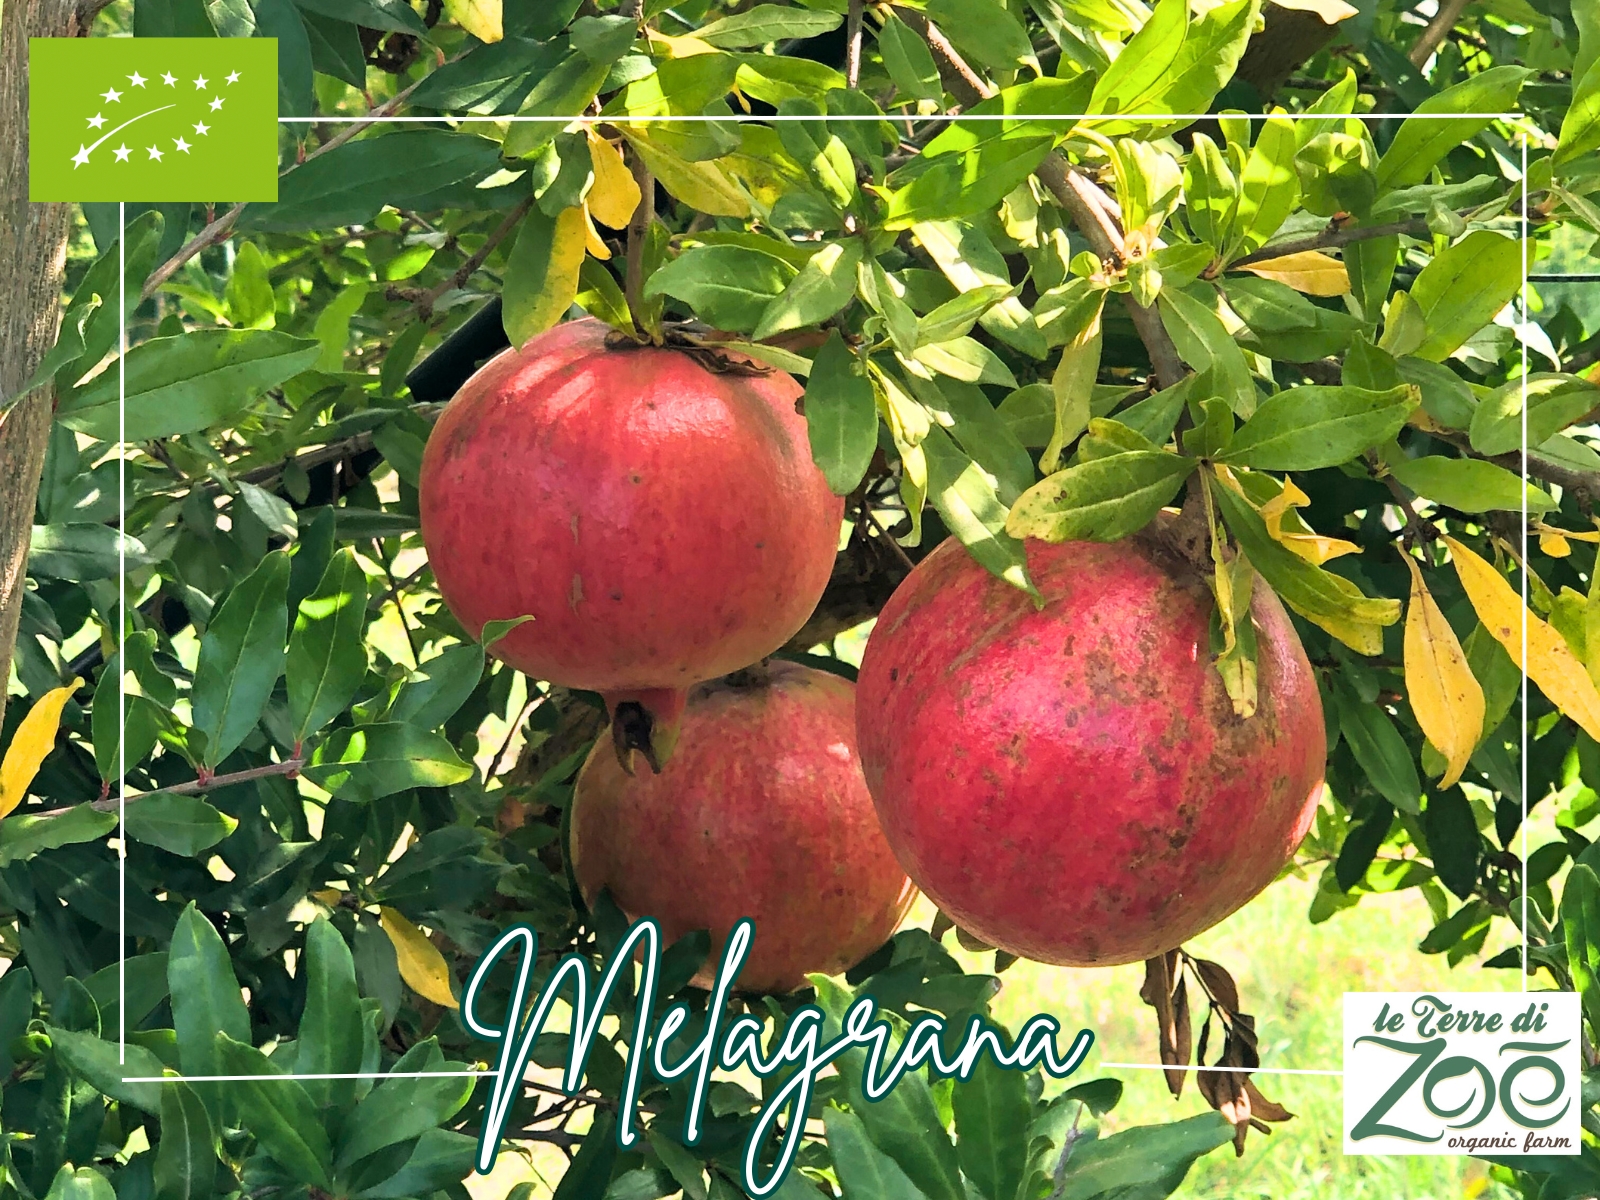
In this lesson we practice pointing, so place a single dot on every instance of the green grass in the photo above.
(1291, 977)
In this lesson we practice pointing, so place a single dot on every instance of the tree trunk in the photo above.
(33, 247)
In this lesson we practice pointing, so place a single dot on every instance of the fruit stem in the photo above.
(638, 230)
(645, 721)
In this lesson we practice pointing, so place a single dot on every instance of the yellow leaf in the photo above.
(1272, 512)
(1310, 271)
(1314, 547)
(1331, 11)
(1445, 695)
(542, 271)
(1571, 535)
(31, 745)
(421, 965)
(1554, 544)
(480, 18)
(329, 896)
(703, 186)
(591, 236)
(615, 193)
(1550, 661)
(681, 47)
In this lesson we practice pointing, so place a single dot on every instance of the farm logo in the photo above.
(849, 1034)
(152, 119)
(1485, 1073)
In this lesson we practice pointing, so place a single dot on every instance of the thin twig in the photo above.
(394, 592)
(1449, 13)
(852, 53)
(889, 538)
(638, 229)
(1339, 235)
(194, 787)
(458, 278)
(218, 229)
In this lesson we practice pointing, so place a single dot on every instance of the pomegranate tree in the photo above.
(656, 512)
(1072, 783)
(761, 813)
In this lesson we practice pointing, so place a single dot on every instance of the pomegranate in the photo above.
(761, 813)
(662, 522)
(1071, 783)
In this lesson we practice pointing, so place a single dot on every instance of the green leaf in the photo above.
(1422, 141)
(984, 31)
(766, 23)
(362, 763)
(992, 1111)
(1102, 499)
(186, 383)
(1580, 126)
(441, 1158)
(1580, 921)
(824, 285)
(277, 1111)
(22, 836)
(1321, 597)
(142, 241)
(968, 259)
(1469, 485)
(909, 62)
(967, 416)
(822, 153)
(955, 318)
(1554, 402)
(905, 1124)
(865, 1172)
(85, 1183)
(1211, 193)
(402, 1108)
(100, 1064)
(434, 692)
(1206, 345)
(964, 496)
(949, 186)
(1149, 1160)
(1379, 750)
(1304, 428)
(726, 286)
(186, 1156)
(1268, 188)
(590, 1169)
(206, 999)
(841, 416)
(603, 39)
(393, 15)
(1453, 838)
(1173, 66)
(330, 1038)
(327, 659)
(182, 825)
(542, 271)
(966, 359)
(410, 169)
(686, 1170)
(241, 656)
(83, 552)
(67, 349)
(1460, 291)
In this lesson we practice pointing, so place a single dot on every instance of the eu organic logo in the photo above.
(1461, 1073)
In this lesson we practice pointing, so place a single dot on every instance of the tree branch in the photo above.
(1449, 13)
(458, 278)
(638, 230)
(194, 787)
(852, 53)
(1090, 208)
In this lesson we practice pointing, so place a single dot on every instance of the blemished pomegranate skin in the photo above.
(762, 812)
(661, 522)
(1071, 784)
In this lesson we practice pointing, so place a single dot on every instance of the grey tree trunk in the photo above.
(33, 247)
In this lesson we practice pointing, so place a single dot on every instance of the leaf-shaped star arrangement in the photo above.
(141, 98)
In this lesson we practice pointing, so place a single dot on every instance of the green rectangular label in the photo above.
(152, 119)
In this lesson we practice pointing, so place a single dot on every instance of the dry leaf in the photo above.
(421, 965)
(1331, 11)
(1445, 695)
(31, 745)
(1550, 661)
(1310, 271)
(480, 18)
(614, 195)
(1164, 991)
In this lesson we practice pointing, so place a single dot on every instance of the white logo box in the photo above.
(1487, 1073)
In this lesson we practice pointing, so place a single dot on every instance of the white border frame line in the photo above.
(628, 119)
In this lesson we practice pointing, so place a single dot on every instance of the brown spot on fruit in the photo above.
(575, 592)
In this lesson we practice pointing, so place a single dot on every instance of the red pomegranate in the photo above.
(761, 813)
(1071, 783)
(662, 522)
